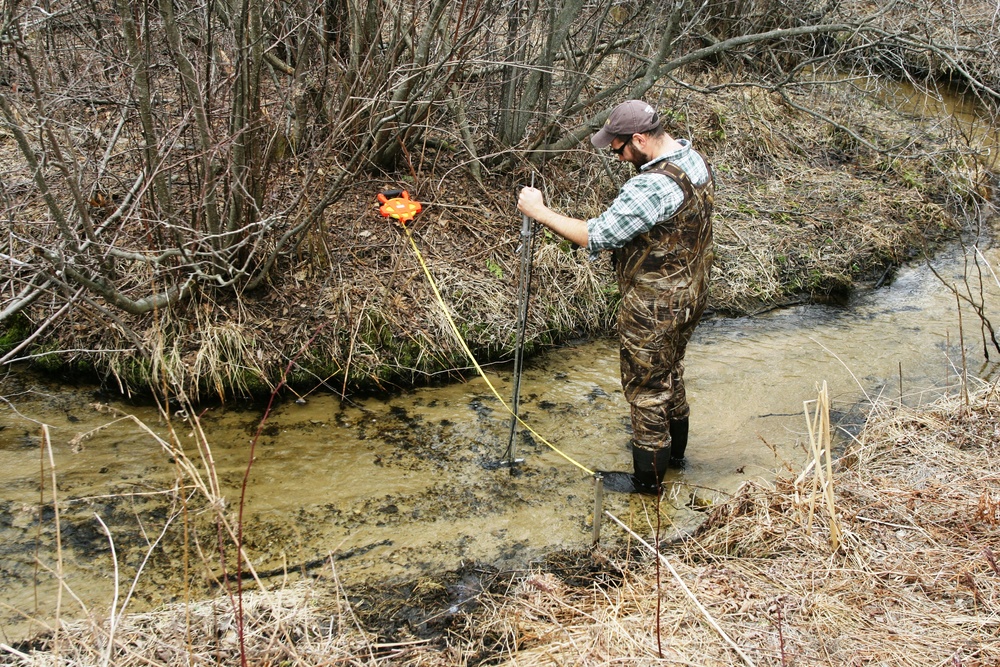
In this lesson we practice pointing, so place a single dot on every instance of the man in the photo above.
(659, 229)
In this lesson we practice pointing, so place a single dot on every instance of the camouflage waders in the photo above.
(663, 276)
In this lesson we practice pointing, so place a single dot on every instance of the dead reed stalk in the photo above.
(821, 465)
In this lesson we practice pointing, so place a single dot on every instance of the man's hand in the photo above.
(531, 203)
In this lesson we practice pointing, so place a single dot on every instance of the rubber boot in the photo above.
(648, 465)
(678, 442)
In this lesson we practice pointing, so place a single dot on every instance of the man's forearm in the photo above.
(569, 228)
(531, 203)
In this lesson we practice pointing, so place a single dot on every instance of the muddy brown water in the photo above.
(397, 487)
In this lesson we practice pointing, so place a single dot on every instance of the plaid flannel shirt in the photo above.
(643, 201)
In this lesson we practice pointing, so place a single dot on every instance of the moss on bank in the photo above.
(13, 332)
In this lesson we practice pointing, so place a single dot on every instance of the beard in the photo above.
(639, 159)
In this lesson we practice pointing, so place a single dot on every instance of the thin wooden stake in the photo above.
(598, 506)
(961, 342)
(901, 384)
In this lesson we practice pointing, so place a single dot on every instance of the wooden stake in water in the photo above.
(598, 506)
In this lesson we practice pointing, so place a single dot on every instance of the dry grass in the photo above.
(806, 212)
(914, 580)
(803, 212)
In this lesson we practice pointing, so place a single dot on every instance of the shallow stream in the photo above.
(399, 487)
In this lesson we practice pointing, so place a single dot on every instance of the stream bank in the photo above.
(911, 579)
(805, 213)
(402, 496)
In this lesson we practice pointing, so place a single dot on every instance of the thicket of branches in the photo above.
(155, 149)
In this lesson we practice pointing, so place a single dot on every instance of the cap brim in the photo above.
(602, 138)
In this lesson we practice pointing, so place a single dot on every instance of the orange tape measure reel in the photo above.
(397, 204)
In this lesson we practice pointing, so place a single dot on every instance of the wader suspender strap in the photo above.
(683, 181)
(672, 171)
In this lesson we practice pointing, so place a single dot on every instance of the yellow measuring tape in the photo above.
(468, 352)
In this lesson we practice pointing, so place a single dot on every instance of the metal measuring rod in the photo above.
(523, 298)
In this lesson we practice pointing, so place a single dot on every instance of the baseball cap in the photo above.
(628, 118)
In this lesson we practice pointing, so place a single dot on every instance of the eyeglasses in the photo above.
(621, 149)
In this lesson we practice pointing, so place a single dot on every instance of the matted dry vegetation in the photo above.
(804, 211)
(914, 580)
